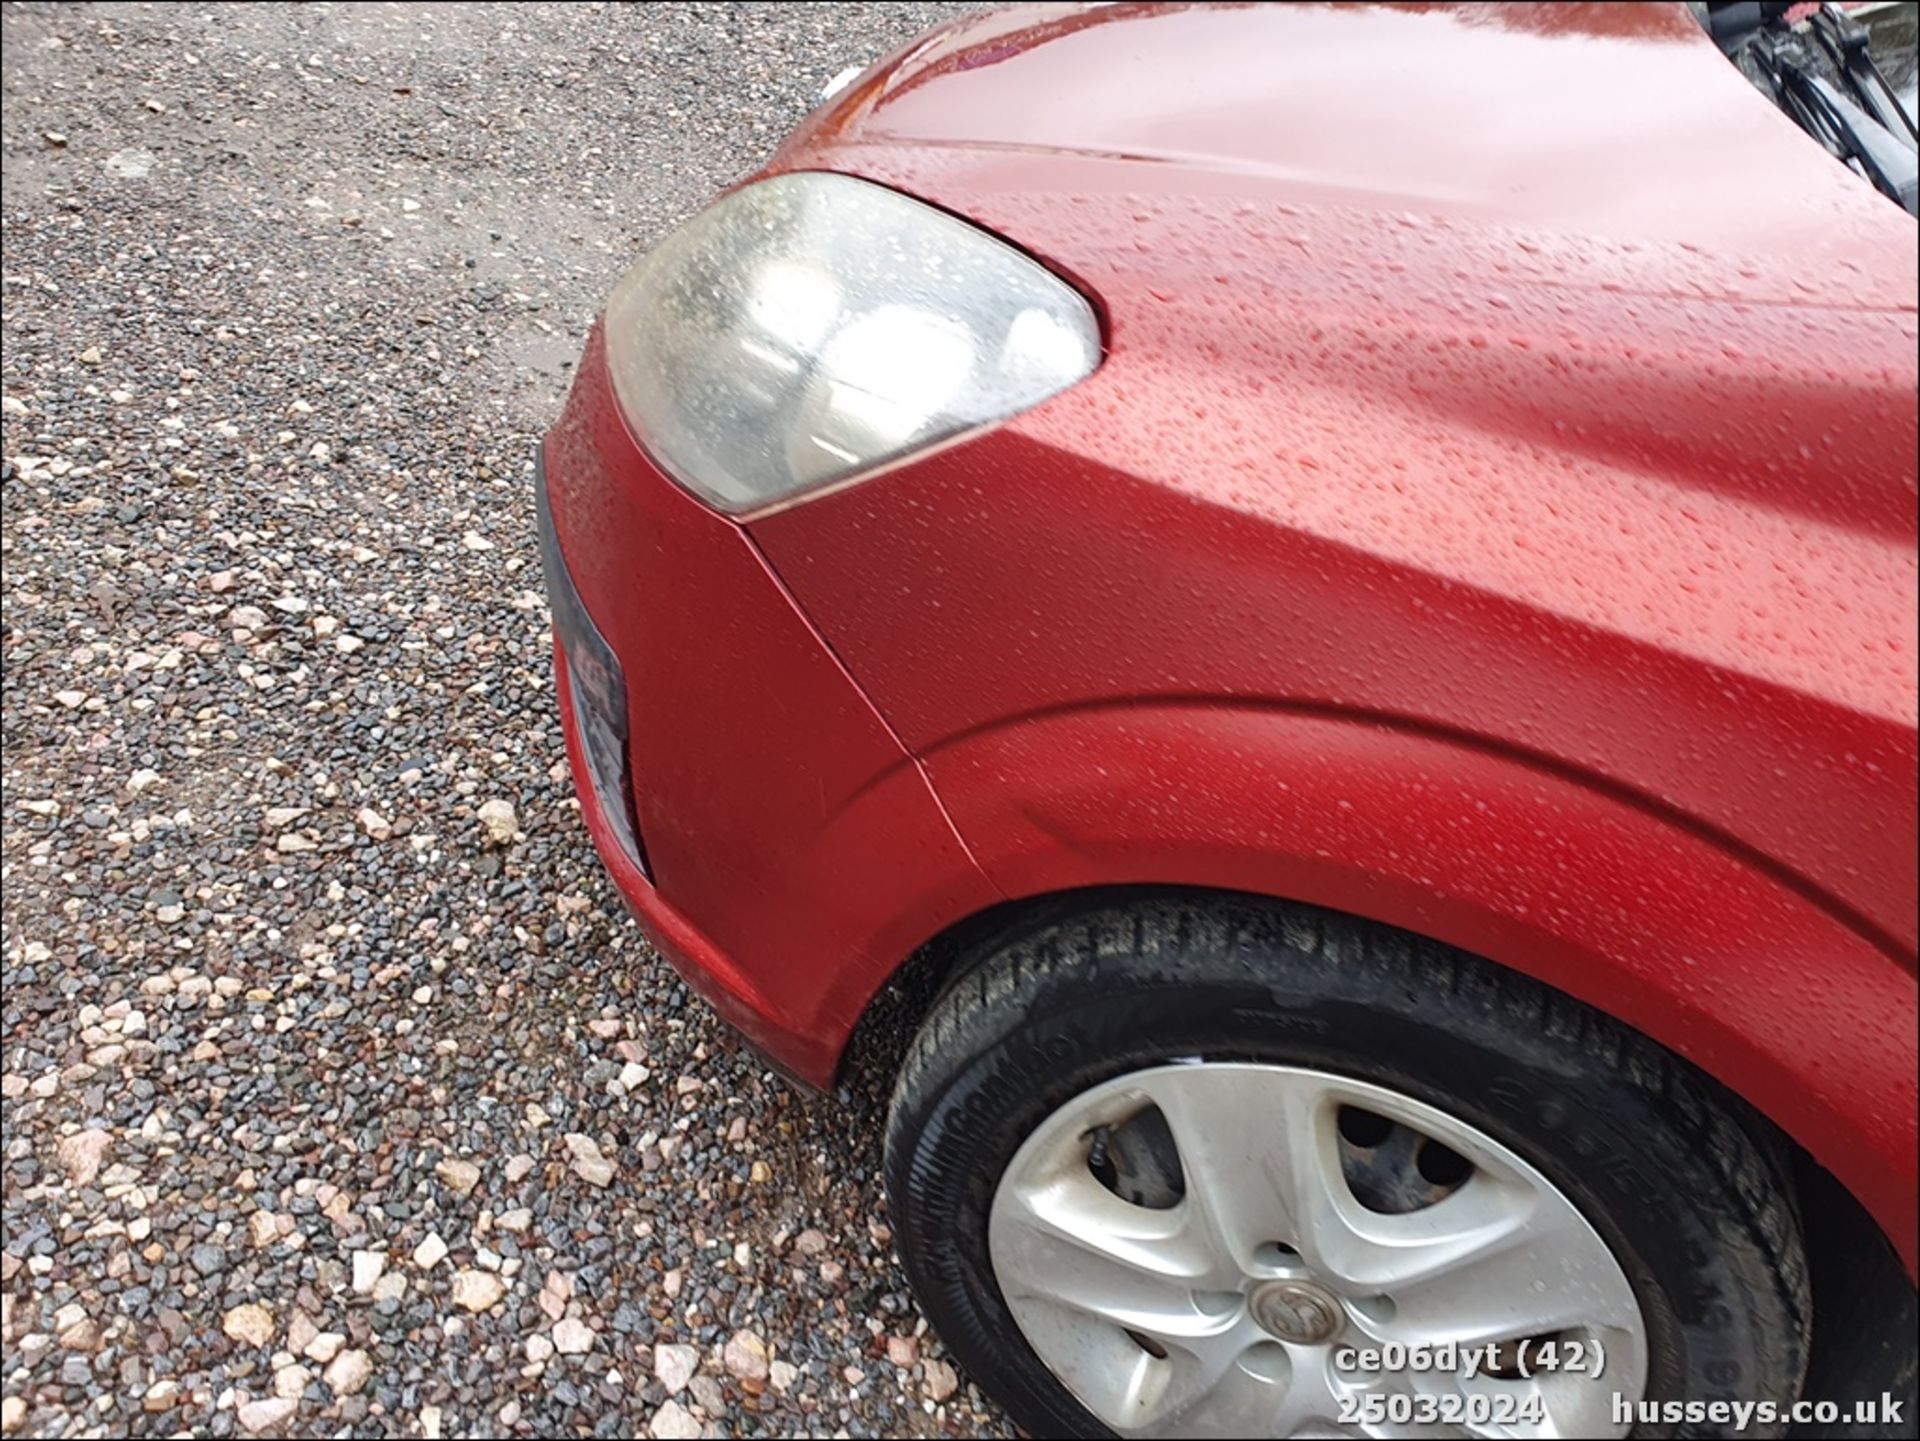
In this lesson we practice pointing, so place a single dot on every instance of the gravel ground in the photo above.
(338, 1097)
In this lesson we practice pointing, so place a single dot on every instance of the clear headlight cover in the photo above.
(813, 327)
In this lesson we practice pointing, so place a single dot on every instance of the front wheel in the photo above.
(1233, 1169)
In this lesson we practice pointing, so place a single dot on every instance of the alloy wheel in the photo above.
(1206, 1248)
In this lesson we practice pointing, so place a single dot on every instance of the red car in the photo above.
(1321, 601)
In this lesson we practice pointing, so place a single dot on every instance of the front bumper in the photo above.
(591, 688)
(787, 853)
(699, 961)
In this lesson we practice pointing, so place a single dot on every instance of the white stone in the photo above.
(251, 1323)
(673, 1422)
(477, 1291)
(745, 1356)
(349, 1372)
(675, 1366)
(82, 1153)
(291, 1380)
(458, 1176)
(367, 1269)
(499, 821)
(324, 1347)
(941, 1380)
(267, 1413)
(589, 1163)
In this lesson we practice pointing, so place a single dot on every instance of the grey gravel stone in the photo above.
(208, 1260)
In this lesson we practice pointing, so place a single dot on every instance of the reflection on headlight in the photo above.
(814, 327)
(794, 303)
(890, 374)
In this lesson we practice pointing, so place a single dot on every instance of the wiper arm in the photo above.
(1854, 135)
(1822, 74)
(1846, 40)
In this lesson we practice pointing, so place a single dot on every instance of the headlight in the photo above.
(812, 327)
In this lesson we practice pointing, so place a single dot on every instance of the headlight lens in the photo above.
(812, 327)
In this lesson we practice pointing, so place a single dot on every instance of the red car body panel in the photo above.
(1494, 516)
(794, 847)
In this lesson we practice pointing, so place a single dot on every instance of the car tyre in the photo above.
(1683, 1184)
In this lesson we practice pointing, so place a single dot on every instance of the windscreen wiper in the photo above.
(1848, 45)
(1821, 72)
(1851, 134)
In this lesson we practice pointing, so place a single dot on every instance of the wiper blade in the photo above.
(1822, 74)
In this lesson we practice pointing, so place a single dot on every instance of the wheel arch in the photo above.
(1781, 1001)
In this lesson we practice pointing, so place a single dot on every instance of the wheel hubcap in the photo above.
(1296, 1311)
(1203, 1250)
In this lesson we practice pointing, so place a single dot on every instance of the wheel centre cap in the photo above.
(1297, 1311)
